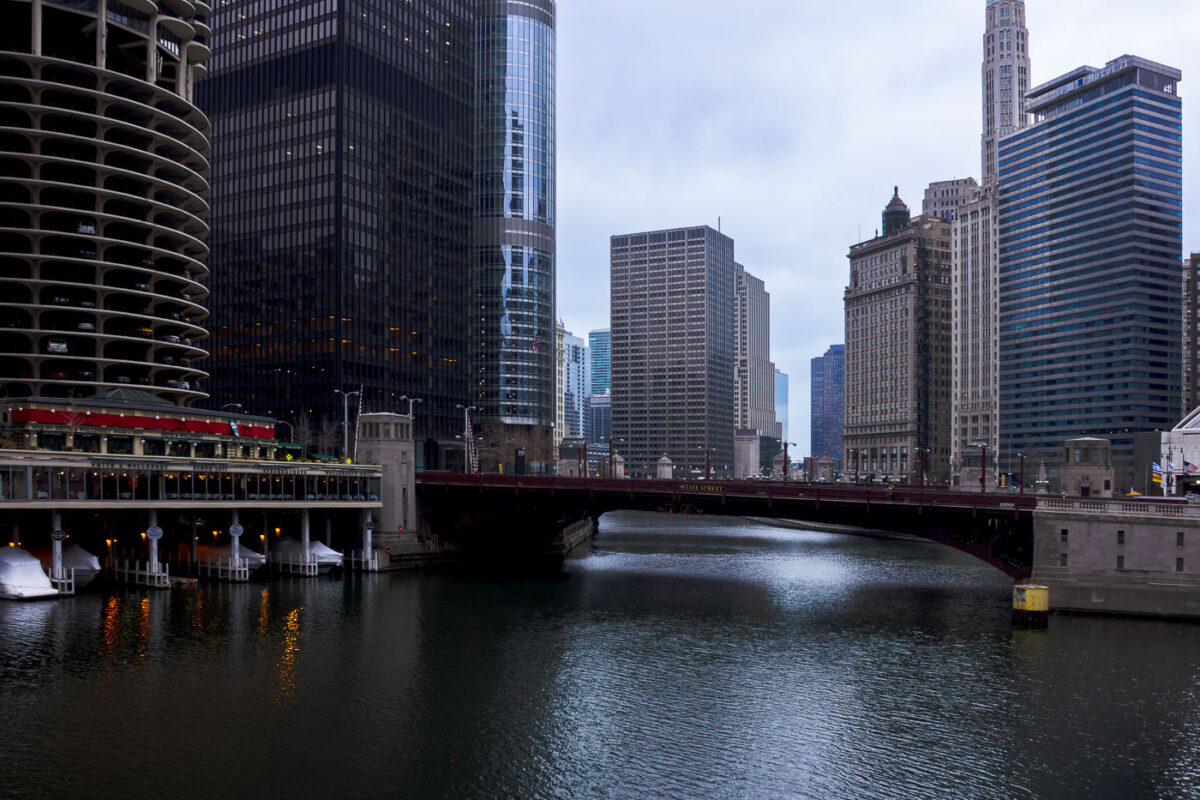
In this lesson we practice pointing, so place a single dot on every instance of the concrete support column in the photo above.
(266, 536)
(56, 542)
(153, 534)
(328, 532)
(368, 529)
(101, 33)
(36, 28)
(152, 52)
(235, 534)
(304, 535)
(194, 537)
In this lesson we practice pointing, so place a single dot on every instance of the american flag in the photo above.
(537, 342)
(1190, 468)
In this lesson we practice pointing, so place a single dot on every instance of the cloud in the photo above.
(791, 122)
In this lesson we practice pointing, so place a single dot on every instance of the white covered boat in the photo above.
(22, 576)
(289, 551)
(223, 552)
(86, 565)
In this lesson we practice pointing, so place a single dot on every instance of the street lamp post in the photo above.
(411, 400)
(982, 464)
(468, 445)
(1021, 482)
(346, 418)
(291, 430)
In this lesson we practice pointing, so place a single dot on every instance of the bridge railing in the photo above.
(1151, 506)
(740, 490)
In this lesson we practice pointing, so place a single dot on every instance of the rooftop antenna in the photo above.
(718, 224)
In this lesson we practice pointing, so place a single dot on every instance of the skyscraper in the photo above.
(754, 376)
(105, 194)
(827, 408)
(575, 384)
(1090, 243)
(897, 370)
(781, 406)
(672, 348)
(1005, 77)
(943, 198)
(600, 350)
(344, 140)
(974, 412)
(513, 240)
(1191, 334)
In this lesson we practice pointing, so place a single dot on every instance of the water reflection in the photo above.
(679, 658)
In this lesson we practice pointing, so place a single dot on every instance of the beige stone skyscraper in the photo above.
(897, 367)
(975, 250)
(754, 374)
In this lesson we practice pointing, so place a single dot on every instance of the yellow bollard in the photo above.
(1031, 602)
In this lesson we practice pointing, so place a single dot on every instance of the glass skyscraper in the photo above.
(343, 158)
(513, 240)
(600, 349)
(827, 410)
(1090, 252)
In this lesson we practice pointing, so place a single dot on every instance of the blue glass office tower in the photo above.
(513, 239)
(1090, 223)
(827, 410)
(600, 349)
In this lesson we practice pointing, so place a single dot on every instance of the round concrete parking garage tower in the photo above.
(103, 198)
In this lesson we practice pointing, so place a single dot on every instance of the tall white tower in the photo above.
(1005, 77)
(974, 277)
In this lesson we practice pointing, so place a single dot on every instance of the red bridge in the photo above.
(518, 513)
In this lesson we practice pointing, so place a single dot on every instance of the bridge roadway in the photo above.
(498, 513)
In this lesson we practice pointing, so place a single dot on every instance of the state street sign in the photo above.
(58, 536)
(236, 529)
(154, 532)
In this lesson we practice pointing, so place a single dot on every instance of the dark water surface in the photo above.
(680, 658)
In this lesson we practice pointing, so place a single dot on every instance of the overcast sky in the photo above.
(791, 120)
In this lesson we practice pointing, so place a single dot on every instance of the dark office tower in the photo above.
(828, 402)
(1191, 334)
(103, 201)
(343, 152)
(1090, 254)
(672, 349)
(513, 239)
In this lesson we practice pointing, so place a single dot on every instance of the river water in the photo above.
(679, 657)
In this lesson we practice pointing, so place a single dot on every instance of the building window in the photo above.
(1120, 537)
(1179, 538)
(1120, 562)
(1179, 565)
(1063, 536)
(1062, 559)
